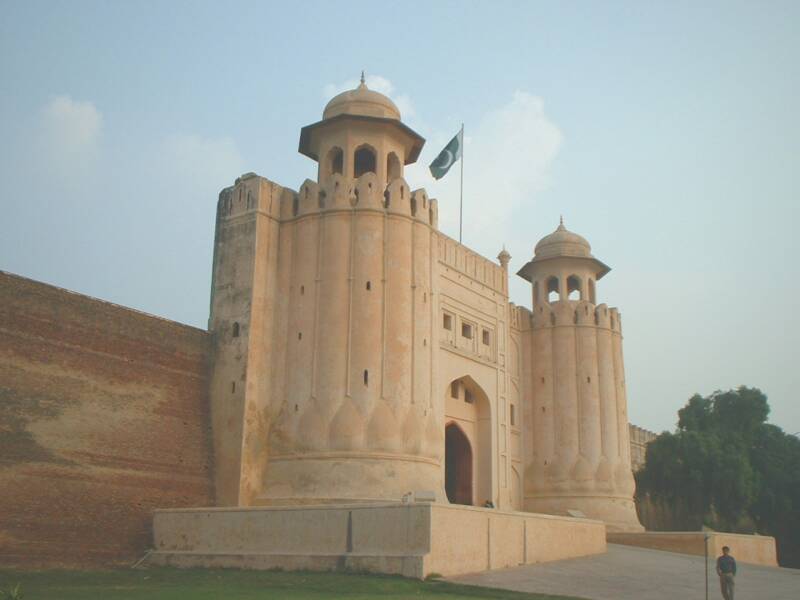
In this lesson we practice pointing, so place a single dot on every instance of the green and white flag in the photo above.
(447, 157)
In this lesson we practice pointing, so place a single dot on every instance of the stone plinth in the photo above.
(753, 549)
(413, 540)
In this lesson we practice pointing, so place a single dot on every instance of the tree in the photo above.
(726, 468)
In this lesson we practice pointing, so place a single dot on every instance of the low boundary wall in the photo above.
(753, 549)
(413, 540)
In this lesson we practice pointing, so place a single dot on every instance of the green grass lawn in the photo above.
(229, 584)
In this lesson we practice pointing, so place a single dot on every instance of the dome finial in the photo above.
(561, 223)
(363, 82)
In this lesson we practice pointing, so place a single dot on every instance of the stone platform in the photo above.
(413, 540)
(753, 549)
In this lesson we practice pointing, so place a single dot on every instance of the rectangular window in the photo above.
(486, 337)
(466, 330)
(454, 389)
(468, 396)
(513, 415)
(447, 322)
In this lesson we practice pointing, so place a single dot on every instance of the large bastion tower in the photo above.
(323, 307)
(360, 354)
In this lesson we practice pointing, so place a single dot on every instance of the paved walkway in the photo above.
(626, 572)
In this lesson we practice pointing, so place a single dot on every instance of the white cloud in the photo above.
(378, 84)
(70, 132)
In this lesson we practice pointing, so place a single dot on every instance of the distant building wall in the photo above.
(639, 440)
(103, 418)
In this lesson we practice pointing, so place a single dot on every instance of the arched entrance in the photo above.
(457, 465)
(468, 444)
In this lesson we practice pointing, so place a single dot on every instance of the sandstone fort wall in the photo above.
(103, 418)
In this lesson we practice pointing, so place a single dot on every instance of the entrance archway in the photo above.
(468, 444)
(457, 465)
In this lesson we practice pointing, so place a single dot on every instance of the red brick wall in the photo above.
(103, 417)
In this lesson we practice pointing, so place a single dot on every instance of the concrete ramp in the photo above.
(627, 572)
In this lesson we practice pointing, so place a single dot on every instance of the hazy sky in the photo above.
(666, 133)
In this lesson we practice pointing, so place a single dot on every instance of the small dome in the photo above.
(361, 101)
(562, 243)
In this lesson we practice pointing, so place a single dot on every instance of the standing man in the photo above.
(726, 569)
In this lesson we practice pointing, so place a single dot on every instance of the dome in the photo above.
(361, 101)
(562, 243)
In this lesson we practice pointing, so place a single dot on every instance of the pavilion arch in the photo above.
(468, 436)
(552, 289)
(364, 160)
(574, 289)
(393, 167)
(334, 162)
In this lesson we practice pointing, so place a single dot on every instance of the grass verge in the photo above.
(230, 584)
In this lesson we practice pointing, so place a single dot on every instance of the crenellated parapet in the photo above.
(252, 193)
(462, 260)
(563, 313)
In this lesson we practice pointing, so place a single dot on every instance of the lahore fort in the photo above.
(364, 396)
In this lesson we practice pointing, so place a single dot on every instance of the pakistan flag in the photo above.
(447, 157)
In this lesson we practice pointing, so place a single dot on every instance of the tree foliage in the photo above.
(726, 468)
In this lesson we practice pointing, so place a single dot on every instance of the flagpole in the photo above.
(461, 204)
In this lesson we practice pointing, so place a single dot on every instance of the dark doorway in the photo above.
(457, 465)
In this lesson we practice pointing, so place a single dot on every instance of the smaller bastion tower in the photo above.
(578, 420)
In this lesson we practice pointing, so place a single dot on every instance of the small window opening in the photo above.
(236, 329)
(386, 199)
(542, 379)
(454, 389)
(413, 207)
(513, 414)
(366, 377)
(300, 335)
(468, 397)
(249, 200)
(295, 206)
(552, 289)
(302, 290)
(369, 285)
(486, 337)
(321, 199)
(233, 387)
(296, 408)
(447, 322)
(466, 330)
(552, 319)
(588, 380)
(424, 297)
(364, 161)
(430, 215)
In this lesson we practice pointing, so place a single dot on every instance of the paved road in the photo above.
(626, 572)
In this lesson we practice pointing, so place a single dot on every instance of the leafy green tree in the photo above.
(726, 468)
